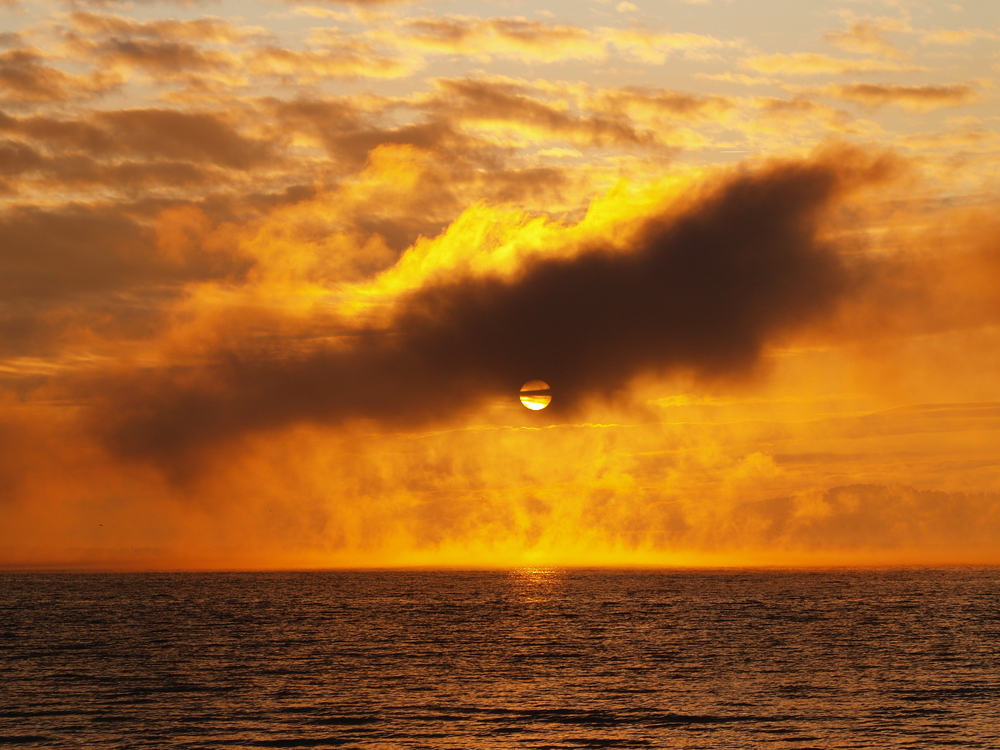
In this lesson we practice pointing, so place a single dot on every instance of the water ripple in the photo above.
(528, 659)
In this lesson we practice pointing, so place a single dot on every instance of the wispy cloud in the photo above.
(814, 63)
(919, 98)
(865, 38)
(957, 36)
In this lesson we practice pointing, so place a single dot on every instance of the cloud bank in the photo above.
(705, 291)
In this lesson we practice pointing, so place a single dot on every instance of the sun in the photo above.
(536, 394)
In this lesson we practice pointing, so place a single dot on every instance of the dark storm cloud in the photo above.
(704, 291)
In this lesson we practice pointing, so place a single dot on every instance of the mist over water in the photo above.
(510, 659)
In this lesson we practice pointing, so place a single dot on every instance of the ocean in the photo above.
(529, 658)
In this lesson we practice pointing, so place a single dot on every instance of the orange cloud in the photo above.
(483, 102)
(206, 29)
(146, 133)
(798, 111)
(17, 157)
(956, 36)
(656, 47)
(363, 3)
(342, 57)
(517, 37)
(796, 478)
(504, 37)
(646, 102)
(24, 77)
(920, 98)
(814, 63)
(466, 340)
(865, 38)
(171, 50)
(194, 51)
(165, 60)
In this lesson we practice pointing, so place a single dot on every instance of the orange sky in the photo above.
(272, 275)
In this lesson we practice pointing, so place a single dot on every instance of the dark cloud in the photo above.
(168, 58)
(66, 251)
(63, 270)
(151, 133)
(72, 250)
(17, 157)
(25, 77)
(198, 53)
(704, 291)
(205, 29)
(196, 136)
(74, 268)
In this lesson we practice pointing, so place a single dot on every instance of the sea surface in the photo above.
(531, 658)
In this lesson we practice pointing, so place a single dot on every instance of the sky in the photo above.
(272, 275)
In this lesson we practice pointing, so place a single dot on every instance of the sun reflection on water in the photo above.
(532, 583)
